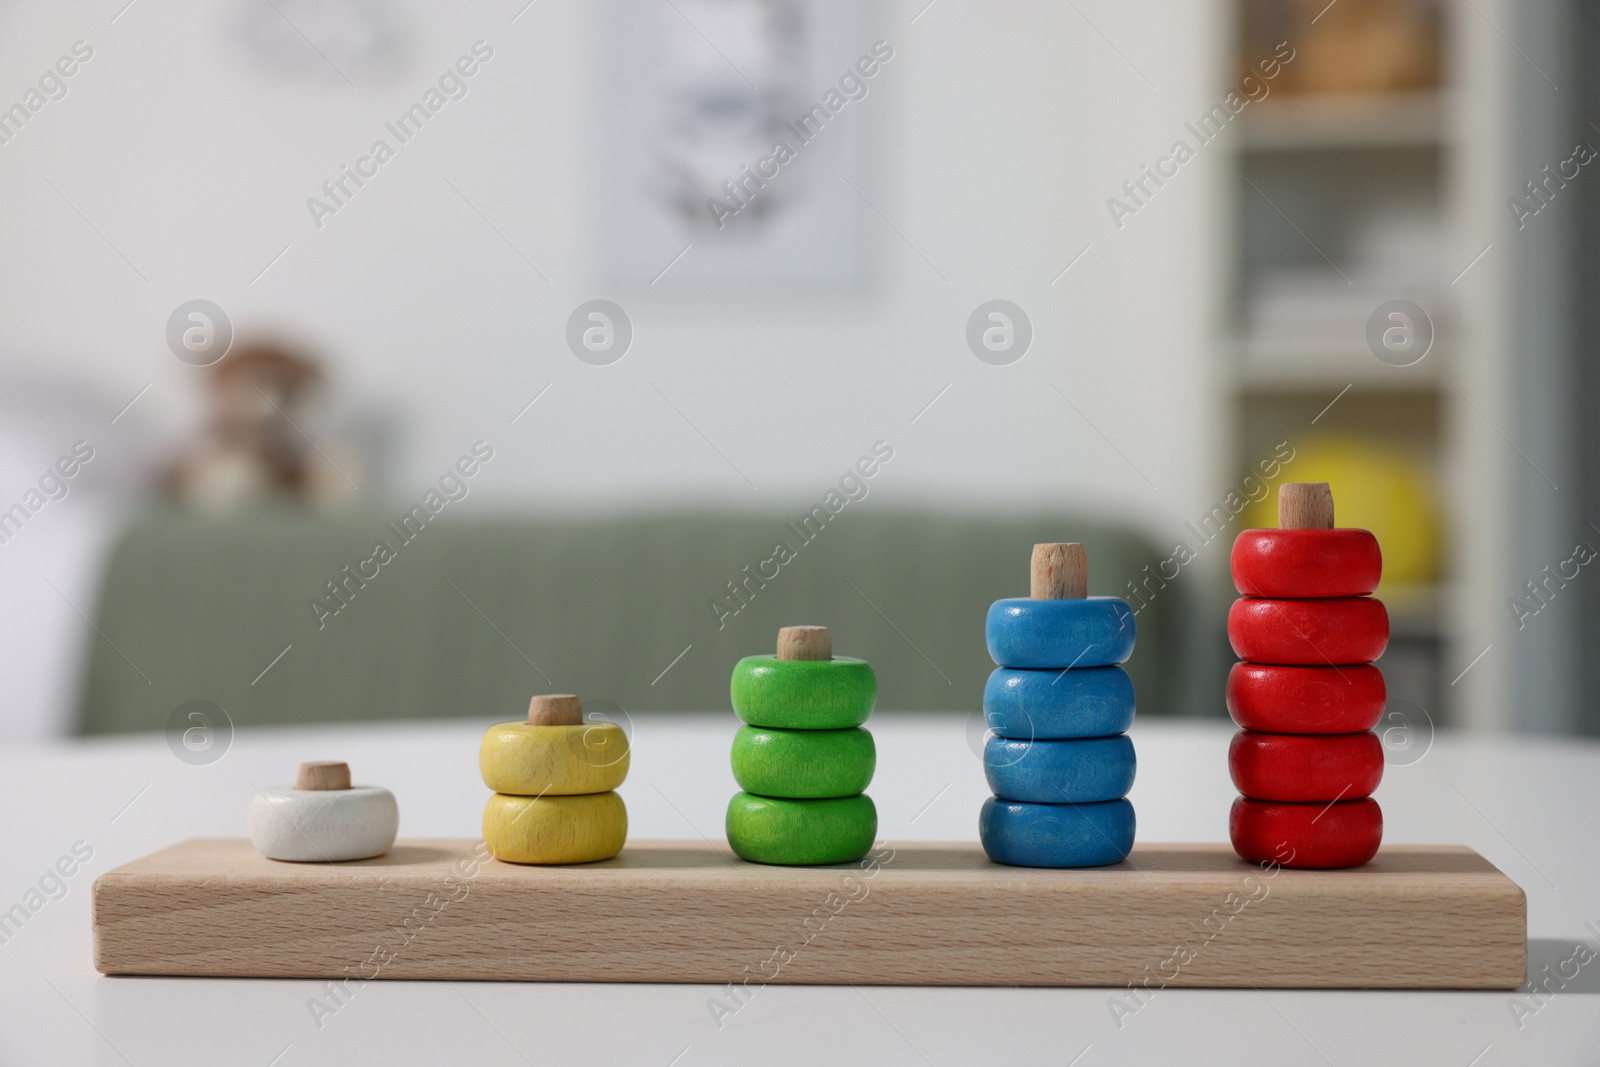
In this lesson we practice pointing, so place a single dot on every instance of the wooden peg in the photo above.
(1060, 572)
(1305, 506)
(805, 642)
(559, 709)
(323, 775)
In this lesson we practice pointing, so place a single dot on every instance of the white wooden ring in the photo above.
(323, 825)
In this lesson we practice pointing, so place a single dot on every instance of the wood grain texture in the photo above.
(1438, 917)
(527, 760)
(803, 764)
(805, 642)
(555, 709)
(801, 694)
(323, 774)
(1305, 563)
(1305, 506)
(1058, 571)
(801, 833)
(1326, 632)
(555, 829)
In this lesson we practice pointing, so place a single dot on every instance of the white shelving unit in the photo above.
(1303, 166)
(1347, 121)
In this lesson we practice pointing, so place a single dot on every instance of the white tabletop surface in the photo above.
(1529, 806)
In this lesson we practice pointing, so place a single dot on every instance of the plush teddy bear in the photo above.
(254, 448)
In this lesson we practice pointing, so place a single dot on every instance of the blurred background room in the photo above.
(366, 360)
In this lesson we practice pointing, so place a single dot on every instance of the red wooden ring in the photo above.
(1306, 563)
(1346, 834)
(1296, 767)
(1306, 700)
(1310, 633)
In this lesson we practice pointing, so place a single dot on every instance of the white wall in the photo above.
(998, 133)
(1005, 129)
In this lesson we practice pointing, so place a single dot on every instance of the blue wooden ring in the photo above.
(1086, 771)
(1085, 702)
(1056, 835)
(1094, 631)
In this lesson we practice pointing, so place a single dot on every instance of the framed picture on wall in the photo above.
(741, 138)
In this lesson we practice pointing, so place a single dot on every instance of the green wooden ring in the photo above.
(800, 833)
(803, 694)
(805, 764)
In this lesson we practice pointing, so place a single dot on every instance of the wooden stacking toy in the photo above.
(322, 818)
(802, 758)
(1306, 694)
(553, 779)
(1059, 763)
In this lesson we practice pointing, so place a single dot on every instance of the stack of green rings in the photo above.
(802, 759)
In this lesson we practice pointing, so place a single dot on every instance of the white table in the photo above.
(1529, 806)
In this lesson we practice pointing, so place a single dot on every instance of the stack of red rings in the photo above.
(1306, 696)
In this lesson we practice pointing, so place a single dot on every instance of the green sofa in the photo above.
(471, 616)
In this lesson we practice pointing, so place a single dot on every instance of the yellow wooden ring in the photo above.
(550, 829)
(553, 760)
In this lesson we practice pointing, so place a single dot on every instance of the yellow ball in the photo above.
(553, 760)
(550, 829)
(1376, 487)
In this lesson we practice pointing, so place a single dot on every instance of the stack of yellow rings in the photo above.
(553, 779)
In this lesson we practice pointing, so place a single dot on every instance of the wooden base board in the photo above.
(1434, 917)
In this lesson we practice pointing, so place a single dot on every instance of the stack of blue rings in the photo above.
(1059, 763)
